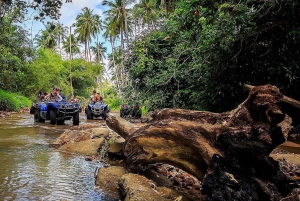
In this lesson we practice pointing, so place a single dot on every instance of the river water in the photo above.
(31, 170)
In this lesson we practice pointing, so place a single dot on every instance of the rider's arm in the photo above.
(59, 97)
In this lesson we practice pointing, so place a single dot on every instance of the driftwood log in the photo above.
(228, 152)
(285, 99)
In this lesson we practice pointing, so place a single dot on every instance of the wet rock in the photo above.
(87, 126)
(114, 151)
(85, 147)
(74, 134)
(5, 114)
(176, 179)
(107, 180)
(138, 188)
(99, 132)
(70, 136)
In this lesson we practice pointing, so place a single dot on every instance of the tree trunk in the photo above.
(228, 152)
(71, 84)
(85, 50)
(90, 50)
(125, 20)
(122, 61)
(59, 44)
(114, 63)
(100, 74)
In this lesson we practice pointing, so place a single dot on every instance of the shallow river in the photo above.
(31, 170)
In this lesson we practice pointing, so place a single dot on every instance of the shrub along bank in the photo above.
(12, 101)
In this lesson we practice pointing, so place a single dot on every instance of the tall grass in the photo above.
(12, 101)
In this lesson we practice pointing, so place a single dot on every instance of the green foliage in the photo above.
(12, 101)
(74, 45)
(114, 104)
(144, 110)
(110, 97)
(48, 70)
(53, 34)
(207, 50)
(15, 51)
(83, 76)
(27, 71)
(111, 141)
(45, 8)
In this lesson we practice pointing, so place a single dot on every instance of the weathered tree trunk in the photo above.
(229, 151)
(120, 125)
(285, 99)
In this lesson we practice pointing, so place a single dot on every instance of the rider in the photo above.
(53, 96)
(43, 96)
(95, 97)
(58, 90)
(74, 99)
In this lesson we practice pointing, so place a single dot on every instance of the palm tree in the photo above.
(125, 19)
(147, 11)
(54, 34)
(168, 5)
(87, 26)
(99, 50)
(117, 24)
(116, 16)
(74, 45)
(136, 20)
(111, 33)
(48, 37)
(61, 31)
(115, 63)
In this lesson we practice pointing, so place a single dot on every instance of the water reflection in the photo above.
(30, 170)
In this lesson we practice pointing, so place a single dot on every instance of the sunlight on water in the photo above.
(31, 170)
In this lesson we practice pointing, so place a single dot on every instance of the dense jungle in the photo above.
(182, 54)
(175, 59)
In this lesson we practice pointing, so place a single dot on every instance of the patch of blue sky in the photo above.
(69, 12)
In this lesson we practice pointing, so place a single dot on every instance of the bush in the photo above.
(13, 102)
(114, 104)
(144, 110)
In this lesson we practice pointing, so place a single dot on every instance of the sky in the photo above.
(69, 11)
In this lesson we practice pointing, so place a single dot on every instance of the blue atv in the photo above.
(56, 111)
(96, 109)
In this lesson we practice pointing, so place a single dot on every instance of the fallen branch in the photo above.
(285, 99)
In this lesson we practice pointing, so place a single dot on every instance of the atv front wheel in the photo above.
(52, 117)
(76, 119)
(32, 110)
(122, 113)
(104, 115)
(37, 117)
(88, 114)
